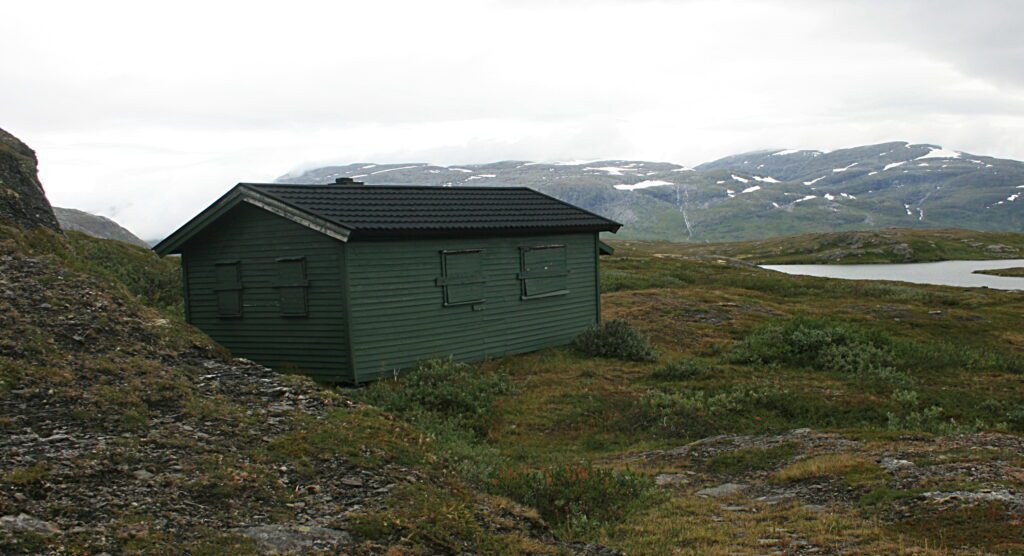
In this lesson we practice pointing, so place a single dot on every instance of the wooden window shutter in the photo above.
(462, 279)
(228, 288)
(291, 287)
(544, 271)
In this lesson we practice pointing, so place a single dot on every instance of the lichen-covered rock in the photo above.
(22, 199)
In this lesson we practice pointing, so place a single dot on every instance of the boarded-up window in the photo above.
(543, 271)
(291, 287)
(228, 289)
(462, 276)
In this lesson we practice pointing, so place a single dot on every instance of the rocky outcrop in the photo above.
(22, 200)
(95, 226)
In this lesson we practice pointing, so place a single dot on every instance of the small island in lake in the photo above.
(1015, 272)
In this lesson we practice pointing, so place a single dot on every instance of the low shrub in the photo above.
(910, 416)
(577, 497)
(693, 413)
(615, 279)
(683, 369)
(616, 339)
(443, 392)
(820, 344)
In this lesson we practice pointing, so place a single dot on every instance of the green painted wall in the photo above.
(398, 312)
(315, 344)
(393, 293)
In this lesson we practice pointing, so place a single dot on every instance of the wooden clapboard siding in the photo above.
(315, 344)
(399, 317)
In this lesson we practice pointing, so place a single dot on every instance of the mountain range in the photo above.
(752, 195)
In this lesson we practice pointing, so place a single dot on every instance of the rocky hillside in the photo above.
(95, 226)
(754, 195)
(22, 199)
(124, 430)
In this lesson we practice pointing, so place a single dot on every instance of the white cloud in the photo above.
(144, 113)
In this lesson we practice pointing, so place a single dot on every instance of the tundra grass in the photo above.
(957, 350)
(899, 350)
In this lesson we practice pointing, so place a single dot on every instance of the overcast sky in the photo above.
(146, 114)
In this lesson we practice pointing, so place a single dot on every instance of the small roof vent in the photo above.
(347, 181)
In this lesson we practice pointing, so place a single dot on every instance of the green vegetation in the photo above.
(615, 339)
(745, 460)
(692, 414)
(87, 349)
(448, 393)
(891, 245)
(856, 470)
(868, 356)
(576, 497)
(700, 347)
(1015, 272)
(150, 280)
(684, 369)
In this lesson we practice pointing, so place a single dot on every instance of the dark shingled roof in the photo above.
(401, 210)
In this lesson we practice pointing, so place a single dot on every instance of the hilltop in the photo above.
(753, 195)
(95, 226)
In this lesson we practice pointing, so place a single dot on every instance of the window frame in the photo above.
(302, 285)
(525, 275)
(445, 281)
(219, 288)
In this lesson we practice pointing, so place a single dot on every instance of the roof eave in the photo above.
(242, 194)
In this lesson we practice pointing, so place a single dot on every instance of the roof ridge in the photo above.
(393, 186)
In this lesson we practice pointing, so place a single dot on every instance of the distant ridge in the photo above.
(95, 225)
(764, 193)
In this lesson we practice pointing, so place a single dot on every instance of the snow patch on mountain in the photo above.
(642, 185)
(611, 170)
(939, 153)
(396, 169)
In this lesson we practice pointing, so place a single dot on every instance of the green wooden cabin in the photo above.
(349, 282)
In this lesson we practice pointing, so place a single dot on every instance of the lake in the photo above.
(944, 273)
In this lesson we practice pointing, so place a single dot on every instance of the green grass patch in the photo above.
(699, 413)
(883, 496)
(746, 460)
(689, 368)
(443, 390)
(616, 339)
(428, 519)
(856, 471)
(363, 435)
(575, 497)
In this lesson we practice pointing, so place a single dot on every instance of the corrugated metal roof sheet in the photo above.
(371, 210)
